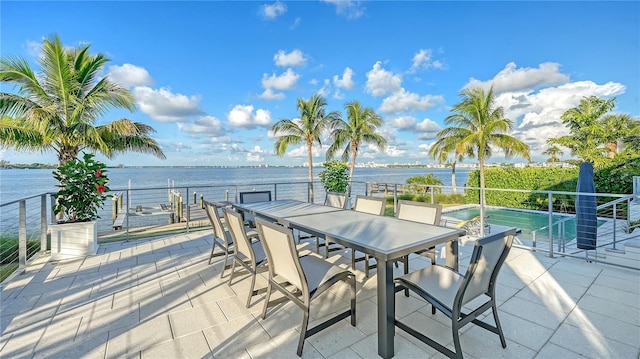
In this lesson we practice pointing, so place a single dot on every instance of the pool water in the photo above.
(529, 222)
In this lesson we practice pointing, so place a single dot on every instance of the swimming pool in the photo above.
(529, 222)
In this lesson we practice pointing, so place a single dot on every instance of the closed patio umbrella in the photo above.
(586, 219)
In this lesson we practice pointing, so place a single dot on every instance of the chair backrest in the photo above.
(282, 254)
(241, 242)
(335, 199)
(489, 253)
(255, 196)
(419, 212)
(216, 222)
(367, 204)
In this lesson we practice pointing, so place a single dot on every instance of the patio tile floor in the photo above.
(159, 298)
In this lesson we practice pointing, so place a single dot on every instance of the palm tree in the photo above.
(57, 109)
(614, 129)
(359, 129)
(440, 150)
(313, 121)
(477, 126)
(553, 151)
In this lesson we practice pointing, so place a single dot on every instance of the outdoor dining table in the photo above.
(382, 237)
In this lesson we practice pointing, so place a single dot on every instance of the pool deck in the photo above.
(158, 298)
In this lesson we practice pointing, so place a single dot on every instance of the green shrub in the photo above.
(420, 184)
(616, 178)
(335, 177)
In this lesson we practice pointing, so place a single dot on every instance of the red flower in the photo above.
(98, 173)
(100, 188)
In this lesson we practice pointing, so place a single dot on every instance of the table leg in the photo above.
(451, 254)
(386, 308)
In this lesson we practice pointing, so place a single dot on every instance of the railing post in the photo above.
(550, 199)
(53, 213)
(188, 216)
(395, 198)
(126, 213)
(43, 223)
(22, 234)
(433, 197)
(275, 191)
(114, 208)
(615, 219)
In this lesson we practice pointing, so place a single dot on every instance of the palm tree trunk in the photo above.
(453, 177)
(354, 153)
(612, 148)
(482, 196)
(310, 160)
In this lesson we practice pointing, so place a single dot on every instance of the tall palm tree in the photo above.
(615, 128)
(553, 151)
(359, 129)
(478, 126)
(440, 150)
(308, 129)
(57, 109)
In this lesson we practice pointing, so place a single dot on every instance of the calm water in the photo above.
(19, 183)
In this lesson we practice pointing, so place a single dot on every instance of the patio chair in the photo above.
(221, 236)
(337, 200)
(448, 290)
(372, 205)
(310, 276)
(251, 197)
(424, 213)
(248, 254)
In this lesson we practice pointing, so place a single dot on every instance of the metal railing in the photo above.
(145, 212)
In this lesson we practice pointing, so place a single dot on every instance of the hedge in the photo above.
(616, 178)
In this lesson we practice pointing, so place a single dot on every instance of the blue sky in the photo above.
(213, 77)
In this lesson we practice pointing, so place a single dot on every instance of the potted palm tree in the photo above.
(59, 109)
(81, 194)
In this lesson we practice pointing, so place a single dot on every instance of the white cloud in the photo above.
(346, 81)
(295, 24)
(294, 58)
(536, 115)
(421, 61)
(269, 94)
(204, 126)
(403, 101)
(403, 123)
(33, 48)
(129, 75)
(325, 90)
(243, 116)
(393, 151)
(274, 10)
(428, 126)
(349, 8)
(512, 78)
(254, 157)
(286, 81)
(255, 154)
(301, 152)
(165, 106)
(381, 82)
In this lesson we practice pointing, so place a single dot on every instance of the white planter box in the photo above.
(72, 240)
